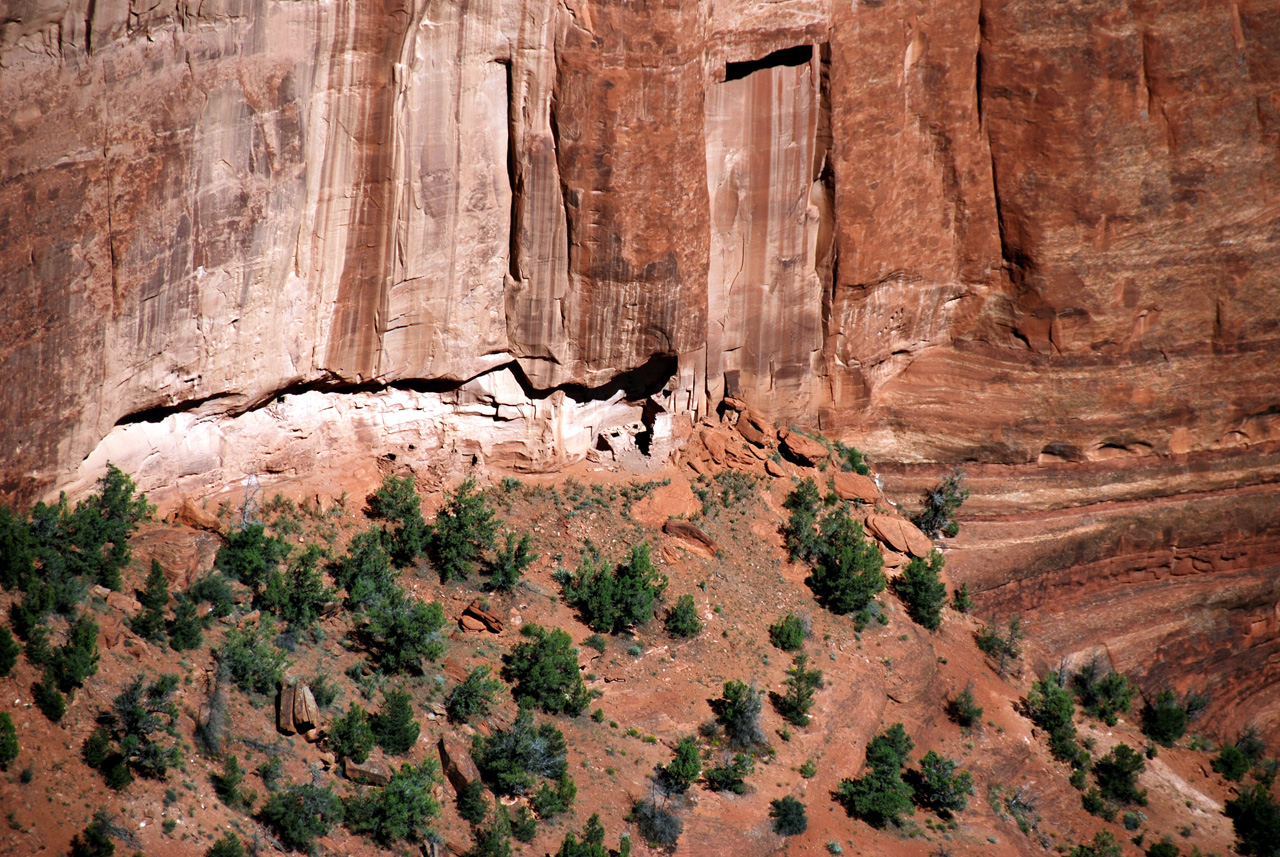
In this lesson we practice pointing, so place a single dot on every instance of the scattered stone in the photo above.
(714, 444)
(803, 450)
(855, 486)
(327, 759)
(110, 631)
(456, 762)
(371, 772)
(902, 536)
(469, 623)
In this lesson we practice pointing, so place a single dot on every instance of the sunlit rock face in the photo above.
(246, 237)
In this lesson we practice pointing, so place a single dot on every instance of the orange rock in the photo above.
(306, 714)
(902, 536)
(804, 450)
(470, 623)
(690, 537)
(855, 486)
(456, 762)
(370, 771)
(773, 468)
(284, 714)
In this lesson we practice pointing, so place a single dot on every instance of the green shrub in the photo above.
(227, 784)
(1103, 693)
(493, 840)
(800, 532)
(682, 620)
(509, 563)
(351, 735)
(365, 572)
(401, 810)
(524, 825)
(397, 503)
(802, 683)
(250, 555)
(254, 665)
(552, 799)
(922, 591)
(215, 589)
(731, 775)
(591, 844)
(851, 460)
(133, 733)
(394, 727)
(1004, 648)
(228, 845)
(940, 506)
(8, 741)
(738, 710)
(880, 796)
(941, 787)
(300, 814)
(154, 599)
(1104, 845)
(847, 574)
(464, 528)
(1051, 708)
(1117, 775)
(77, 658)
(613, 598)
(472, 804)
(299, 593)
(1163, 848)
(1164, 719)
(186, 631)
(544, 670)
(270, 770)
(961, 600)
(473, 697)
(402, 632)
(48, 698)
(1231, 763)
(963, 709)
(95, 839)
(683, 770)
(656, 824)
(1256, 819)
(8, 650)
(511, 760)
(788, 816)
(788, 633)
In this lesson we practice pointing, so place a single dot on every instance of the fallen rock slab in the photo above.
(488, 620)
(456, 762)
(803, 450)
(902, 536)
(306, 714)
(855, 486)
(284, 714)
(690, 536)
(755, 428)
(123, 603)
(371, 772)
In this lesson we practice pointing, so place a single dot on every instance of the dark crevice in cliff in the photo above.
(798, 55)
(159, 413)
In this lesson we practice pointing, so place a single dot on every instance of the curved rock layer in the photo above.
(1038, 239)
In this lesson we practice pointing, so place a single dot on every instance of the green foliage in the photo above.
(351, 735)
(802, 683)
(365, 572)
(788, 816)
(255, 665)
(922, 590)
(1003, 647)
(133, 732)
(77, 658)
(472, 804)
(473, 697)
(1095, 804)
(682, 620)
(880, 796)
(591, 844)
(250, 556)
(394, 727)
(48, 698)
(1231, 763)
(940, 506)
(405, 533)
(1117, 775)
(8, 651)
(656, 824)
(186, 631)
(228, 845)
(401, 810)
(300, 814)
(1103, 693)
(961, 600)
(17, 549)
(731, 776)
(941, 787)
(402, 632)
(154, 599)
(544, 669)
(1256, 819)
(788, 633)
(524, 824)
(1164, 848)
(551, 799)
(95, 839)
(493, 840)
(1050, 707)
(97, 533)
(851, 460)
(963, 709)
(800, 532)
(738, 709)
(683, 770)
(298, 594)
(227, 784)
(464, 528)
(1104, 845)
(613, 598)
(1164, 719)
(509, 563)
(215, 589)
(511, 760)
(847, 574)
(8, 741)
(270, 770)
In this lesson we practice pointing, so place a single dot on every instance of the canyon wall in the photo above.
(1040, 241)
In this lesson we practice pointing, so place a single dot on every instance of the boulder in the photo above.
(370, 772)
(284, 714)
(855, 486)
(467, 622)
(456, 762)
(902, 536)
(803, 450)
(306, 714)
(773, 468)
(714, 444)
(690, 536)
(753, 426)
(123, 603)
(488, 620)
(197, 518)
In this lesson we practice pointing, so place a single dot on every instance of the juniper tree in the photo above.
(922, 590)
(154, 599)
(397, 503)
(464, 529)
(394, 727)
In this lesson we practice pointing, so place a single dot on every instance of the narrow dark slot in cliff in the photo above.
(798, 55)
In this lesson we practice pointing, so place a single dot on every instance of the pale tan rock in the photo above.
(371, 771)
(123, 603)
(470, 623)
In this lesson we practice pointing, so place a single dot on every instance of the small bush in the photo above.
(922, 591)
(254, 665)
(941, 786)
(544, 669)
(402, 632)
(250, 555)
(963, 709)
(1104, 845)
(682, 620)
(141, 717)
(186, 631)
(1051, 708)
(298, 594)
(228, 845)
(880, 796)
(214, 589)
(394, 727)
(472, 804)
(961, 600)
(48, 698)
(401, 810)
(738, 710)
(800, 532)
(300, 814)
(683, 770)
(464, 528)
(802, 683)
(940, 506)
(1164, 719)
(1256, 819)
(8, 741)
(851, 459)
(351, 735)
(509, 563)
(227, 784)
(397, 504)
(1231, 763)
(1003, 647)
(1117, 775)
(154, 599)
(657, 825)
(365, 572)
(551, 799)
(511, 760)
(95, 839)
(473, 697)
(1164, 848)
(788, 633)
(847, 574)
(788, 816)
(1103, 693)
(611, 598)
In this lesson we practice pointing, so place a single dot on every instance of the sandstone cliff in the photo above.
(259, 236)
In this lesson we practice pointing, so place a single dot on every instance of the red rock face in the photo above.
(1037, 239)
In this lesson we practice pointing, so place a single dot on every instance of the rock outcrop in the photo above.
(268, 239)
